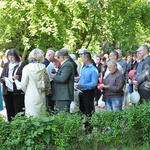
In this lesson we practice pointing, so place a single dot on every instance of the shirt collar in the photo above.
(90, 65)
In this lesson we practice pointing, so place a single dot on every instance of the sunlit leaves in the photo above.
(26, 24)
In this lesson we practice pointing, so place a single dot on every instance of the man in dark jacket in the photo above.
(141, 78)
(63, 82)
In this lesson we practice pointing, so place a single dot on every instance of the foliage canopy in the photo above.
(99, 25)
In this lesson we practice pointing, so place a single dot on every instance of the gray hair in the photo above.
(50, 51)
(36, 54)
(112, 62)
(145, 47)
(119, 51)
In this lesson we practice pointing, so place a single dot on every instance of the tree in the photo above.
(99, 25)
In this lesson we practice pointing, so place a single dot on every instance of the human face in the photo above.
(81, 56)
(84, 60)
(98, 60)
(142, 52)
(51, 56)
(11, 59)
(112, 68)
(61, 59)
(128, 58)
(112, 56)
(138, 56)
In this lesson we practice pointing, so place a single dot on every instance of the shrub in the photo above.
(121, 128)
(64, 131)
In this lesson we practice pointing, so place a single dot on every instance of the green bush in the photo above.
(121, 128)
(64, 131)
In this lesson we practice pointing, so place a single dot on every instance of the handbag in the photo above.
(44, 85)
(41, 84)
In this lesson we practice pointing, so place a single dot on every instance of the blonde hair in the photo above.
(36, 54)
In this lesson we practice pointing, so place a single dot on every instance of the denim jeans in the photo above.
(113, 104)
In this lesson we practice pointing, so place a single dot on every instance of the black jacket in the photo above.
(5, 74)
(142, 75)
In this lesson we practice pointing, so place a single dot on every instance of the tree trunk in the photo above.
(24, 55)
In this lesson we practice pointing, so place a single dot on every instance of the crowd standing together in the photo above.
(48, 84)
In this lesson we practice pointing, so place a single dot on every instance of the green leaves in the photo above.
(111, 130)
(73, 24)
(46, 138)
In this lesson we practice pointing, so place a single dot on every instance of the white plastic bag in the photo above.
(134, 96)
(101, 104)
(74, 107)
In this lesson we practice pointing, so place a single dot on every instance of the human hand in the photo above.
(76, 79)
(79, 86)
(135, 83)
(52, 75)
(15, 77)
(102, 86)
(130, 81)
(3, 78)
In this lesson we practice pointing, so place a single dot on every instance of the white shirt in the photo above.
(49, 70)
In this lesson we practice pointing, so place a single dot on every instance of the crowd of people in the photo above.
(49, 82)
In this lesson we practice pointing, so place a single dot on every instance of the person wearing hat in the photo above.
(82, 51)
(63, 82)
(141, 79)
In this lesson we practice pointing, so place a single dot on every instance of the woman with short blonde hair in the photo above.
(36, 55)
(35, 83)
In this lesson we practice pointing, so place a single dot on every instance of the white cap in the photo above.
(82, 50)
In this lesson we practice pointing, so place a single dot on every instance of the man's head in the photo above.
(50, 54)
(119, 53)
(143, 51)
(82, 51)
(86, 58)
(112, 66)
(62, 54)
(113, 56)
